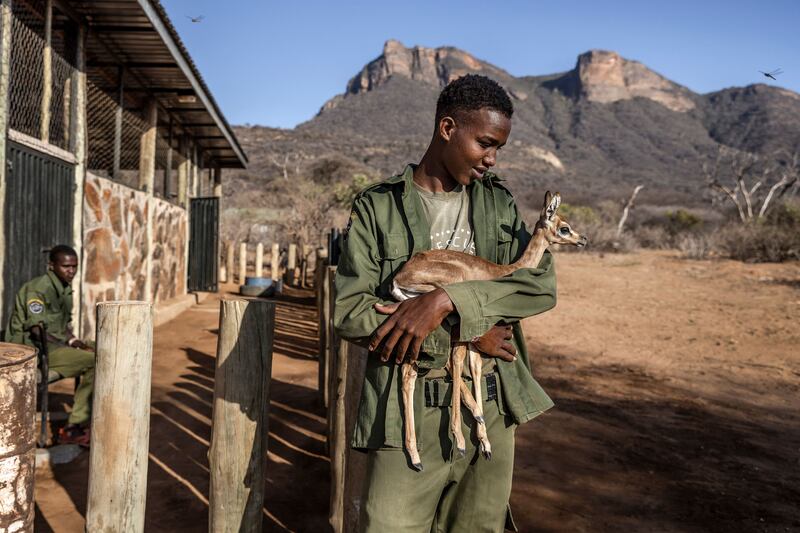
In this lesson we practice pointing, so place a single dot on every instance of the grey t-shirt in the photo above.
(448, 216)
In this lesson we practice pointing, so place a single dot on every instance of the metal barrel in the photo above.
(17, 436)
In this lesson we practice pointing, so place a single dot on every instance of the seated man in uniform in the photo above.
(48, 300)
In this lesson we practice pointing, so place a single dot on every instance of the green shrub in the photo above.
(579, 215)
(681, 221)
(345, 192)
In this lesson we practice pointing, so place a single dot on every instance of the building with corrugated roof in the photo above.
(111, 142)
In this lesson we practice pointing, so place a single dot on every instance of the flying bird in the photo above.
(773, 73)
(195, 19)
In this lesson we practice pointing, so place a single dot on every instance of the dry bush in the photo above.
(776, 238)
(653, 237)
(599, 225)
(696, 245)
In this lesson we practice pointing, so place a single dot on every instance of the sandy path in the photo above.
(676, 387)
(677, 408)
(183, 370)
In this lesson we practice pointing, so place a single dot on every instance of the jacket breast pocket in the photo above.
(393, 252)
(394, 246)
(505, 236)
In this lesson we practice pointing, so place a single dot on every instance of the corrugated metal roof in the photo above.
(138, 35)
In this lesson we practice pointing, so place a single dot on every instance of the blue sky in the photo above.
(276, 63)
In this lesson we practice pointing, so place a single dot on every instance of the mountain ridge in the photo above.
(593, 132)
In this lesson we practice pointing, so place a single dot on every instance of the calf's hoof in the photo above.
(417, 466)
(462, 452)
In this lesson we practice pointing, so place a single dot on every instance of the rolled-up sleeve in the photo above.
(525, 292)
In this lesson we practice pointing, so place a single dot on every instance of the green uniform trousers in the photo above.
(451, 494)
(71, 362)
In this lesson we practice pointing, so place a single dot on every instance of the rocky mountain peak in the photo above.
(604, 76)
(434, 66)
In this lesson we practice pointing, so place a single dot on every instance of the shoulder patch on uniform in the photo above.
(349, 223)
(36, 306)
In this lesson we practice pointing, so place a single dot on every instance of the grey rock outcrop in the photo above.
(434, 66)
(605, 77)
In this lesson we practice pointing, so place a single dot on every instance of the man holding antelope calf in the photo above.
(449, 201)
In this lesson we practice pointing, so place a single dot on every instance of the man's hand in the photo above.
(75, 342)
(411, 321)
(494, 343)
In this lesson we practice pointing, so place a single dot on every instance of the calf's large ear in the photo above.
(551, 205)
(547, 199)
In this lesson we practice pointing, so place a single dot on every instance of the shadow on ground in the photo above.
(180, 433)
(623, 450)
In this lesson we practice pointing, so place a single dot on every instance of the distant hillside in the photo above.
(593, 132)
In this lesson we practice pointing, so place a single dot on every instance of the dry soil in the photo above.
(677, 409)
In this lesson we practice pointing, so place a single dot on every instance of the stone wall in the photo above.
(115, 247)
(170, 232)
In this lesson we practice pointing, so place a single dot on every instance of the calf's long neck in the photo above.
(533, 253)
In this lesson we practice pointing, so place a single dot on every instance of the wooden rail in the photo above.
(344, 367)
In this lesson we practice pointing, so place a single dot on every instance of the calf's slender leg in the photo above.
(457, 357)
(480, 427)
(476, 369)
(409, 372)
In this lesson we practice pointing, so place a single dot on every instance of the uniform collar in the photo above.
(406, 179)
(60, 288)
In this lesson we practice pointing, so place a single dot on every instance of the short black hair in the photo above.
(471, 93)
(61, 249)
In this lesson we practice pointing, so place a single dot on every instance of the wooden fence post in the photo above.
(223, 263)
(120, 417)
(17, 436)
(259, 267)
(331, 343)
(291, 265)
(242, 262)
(275, 265)
(229, 262)
(304, 265)
(239, 432)
(348, 467)
(323, 309)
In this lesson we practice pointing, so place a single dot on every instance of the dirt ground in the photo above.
(677, 409)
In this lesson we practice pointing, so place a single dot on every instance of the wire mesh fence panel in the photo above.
(29, 103)
(60, 102)
(133, 126)
(25, 84)
(101, 120)
(163, 179)
(107, 152)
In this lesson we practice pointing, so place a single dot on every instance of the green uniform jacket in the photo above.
(387, 226)
(43, 299)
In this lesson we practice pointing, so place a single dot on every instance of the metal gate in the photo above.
(39, 211)
(204, 244)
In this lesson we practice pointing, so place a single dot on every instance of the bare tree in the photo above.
(288, 158)
(790, 177)
(626, 210)
(314, 209)
(737, 168)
